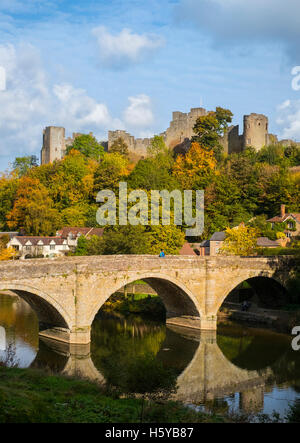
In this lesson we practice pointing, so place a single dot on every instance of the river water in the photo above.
(241, 369)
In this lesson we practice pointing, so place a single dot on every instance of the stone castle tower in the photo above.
(54, 146)
(256, 131)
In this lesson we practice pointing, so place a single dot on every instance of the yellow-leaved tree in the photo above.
(7, 253)
(195, 167)
(241, 240)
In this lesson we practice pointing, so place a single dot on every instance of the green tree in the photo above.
(88, 146)
(111, 170)
(119, 147)
(21, 165)
(209, 128)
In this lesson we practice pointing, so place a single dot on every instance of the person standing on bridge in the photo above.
(162, 254)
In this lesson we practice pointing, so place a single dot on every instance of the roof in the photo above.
(64, 232)
(187, 250)
(279, 219)
(265, 242)
(204, 244)
(218, 236)
(35, 240)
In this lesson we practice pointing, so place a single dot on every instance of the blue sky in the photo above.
(100, 65)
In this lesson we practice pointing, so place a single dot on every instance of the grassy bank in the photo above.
(31, 396)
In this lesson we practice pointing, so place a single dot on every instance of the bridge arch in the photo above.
(176, 297)
(262, 282)
(49, 312)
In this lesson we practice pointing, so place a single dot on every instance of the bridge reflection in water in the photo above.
(238, 362)
(208, 376)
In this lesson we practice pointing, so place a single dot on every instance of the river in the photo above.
(241, 369)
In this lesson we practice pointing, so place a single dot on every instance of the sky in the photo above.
(94, 66)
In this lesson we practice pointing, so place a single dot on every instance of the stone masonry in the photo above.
(67, 293)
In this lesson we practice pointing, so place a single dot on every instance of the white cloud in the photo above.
(31, 101)
(125, 48)
(139, 112)
(289, 119)
(286, 104)
(234, 22)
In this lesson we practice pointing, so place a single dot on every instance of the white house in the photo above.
(30, 247)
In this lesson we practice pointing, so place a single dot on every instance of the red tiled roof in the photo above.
(64, 232)
(279, 219)
(187, 250)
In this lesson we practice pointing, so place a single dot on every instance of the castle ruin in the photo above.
(177, 136)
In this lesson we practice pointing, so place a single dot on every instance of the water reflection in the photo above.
(239, 368)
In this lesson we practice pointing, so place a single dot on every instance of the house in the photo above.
(30, 247)
(216, 242)
(217, 239)
(72, 234)
(292, 221)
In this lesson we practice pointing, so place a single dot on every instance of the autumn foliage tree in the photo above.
(33, 209)
(241, 240)
(194, 169)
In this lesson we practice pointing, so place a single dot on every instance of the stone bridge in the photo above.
(67, 293)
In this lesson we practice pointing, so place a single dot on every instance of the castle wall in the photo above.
(181, 127)
(177, 136)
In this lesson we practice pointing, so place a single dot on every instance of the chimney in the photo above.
(282, 211)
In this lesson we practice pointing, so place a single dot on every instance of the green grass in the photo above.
(31, 396)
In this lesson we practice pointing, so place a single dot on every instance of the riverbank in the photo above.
(277, 319)
(33, 396)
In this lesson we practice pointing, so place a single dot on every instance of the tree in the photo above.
(7, 253)
(88, 146)
(120, 147)
(240, 241)
(111, 170)
(8, 189)
(33, 209)
(209, 128)
(149, 175)
(159, 151)
(195, 169)
(21, 165)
